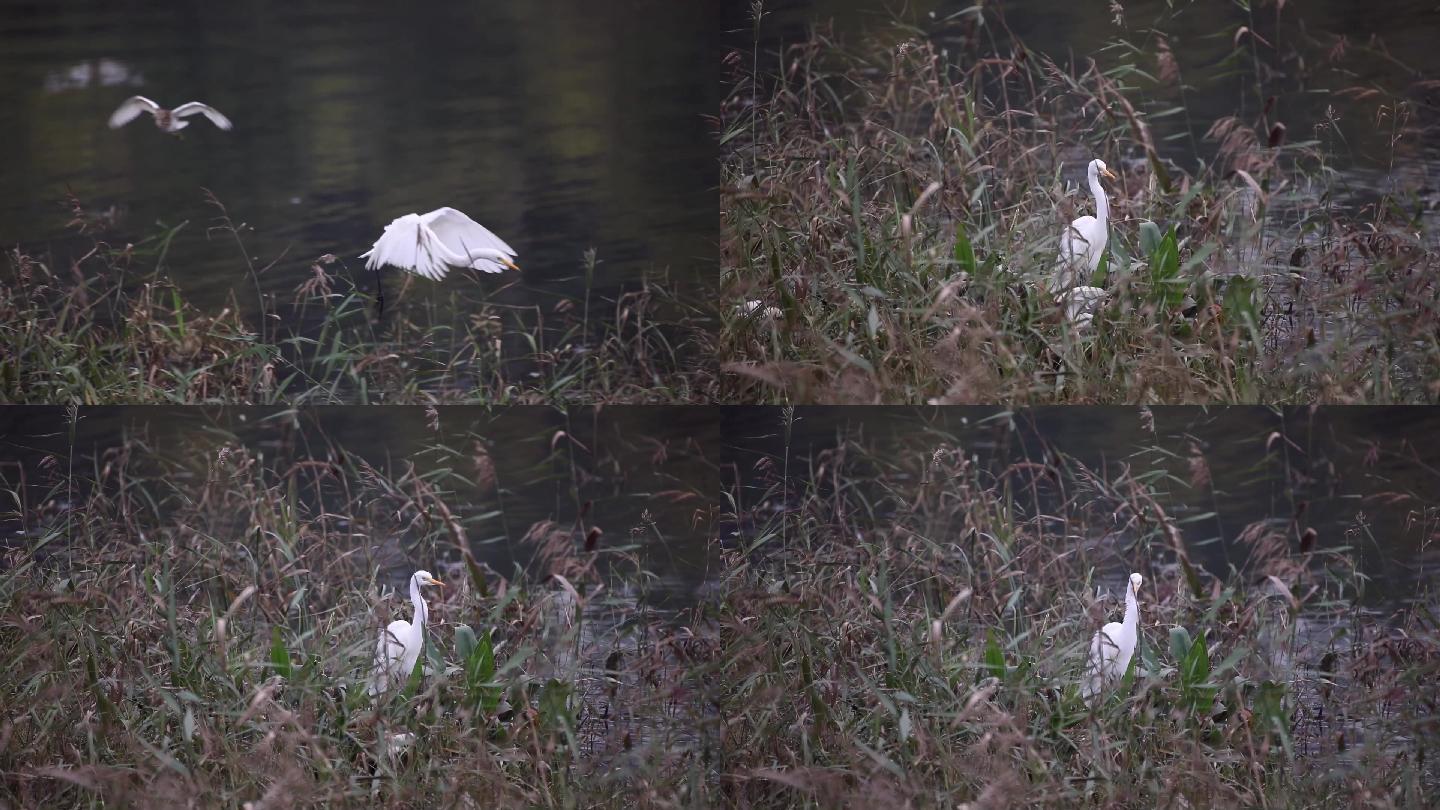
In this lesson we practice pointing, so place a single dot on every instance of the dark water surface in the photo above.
(648, 474)
(1367, 478)
(1325, 61)
(560, 126)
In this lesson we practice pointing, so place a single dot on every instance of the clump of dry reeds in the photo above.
(202, 631)
(917, 636)
(890, 211)
(105, 332)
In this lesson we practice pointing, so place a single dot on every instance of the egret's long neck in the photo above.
(1102, 203)
(421, 611)
(1132, 609)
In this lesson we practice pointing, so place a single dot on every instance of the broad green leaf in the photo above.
(1149, 238)
(279, 656)
(1198, 692)
(788, 304)
(464, 641)
(1167, 288)
(994, 658)
(1179, 644)
(485, 658)
(1195, 669)
(965, 252)
(479, 674)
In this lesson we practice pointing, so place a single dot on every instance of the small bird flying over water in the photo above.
(171, 121)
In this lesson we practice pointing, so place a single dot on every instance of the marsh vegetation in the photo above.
(122, 280)
(115, 327)
(200, 626)
(906, 623)
(892, 205)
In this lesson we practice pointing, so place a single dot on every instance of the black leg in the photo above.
(379, 296)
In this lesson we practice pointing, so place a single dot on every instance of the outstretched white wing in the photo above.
(196, 108)
(462, 235)
(129, 108)
(428, 244)
(409, 244)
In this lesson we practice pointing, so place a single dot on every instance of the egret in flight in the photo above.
(171, 121)
(401, 642)
(430, 244)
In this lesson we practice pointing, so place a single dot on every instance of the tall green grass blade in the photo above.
(279, 656)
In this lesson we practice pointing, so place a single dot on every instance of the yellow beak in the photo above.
(1108, 174)
(511, 265)
(434, 581)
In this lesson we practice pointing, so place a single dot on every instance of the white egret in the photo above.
(171, 121)
(401, 642)
(430, 244)
(1081, 304)
(757, 309)
(1112, 647)
(1083, 242)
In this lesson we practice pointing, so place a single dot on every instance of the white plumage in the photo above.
(1081, 304)
(1112, 647)
(401, 641)
(430, 244)
(1083, 243)
(167, 120)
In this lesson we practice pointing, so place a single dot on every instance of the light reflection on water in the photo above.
(561, 129)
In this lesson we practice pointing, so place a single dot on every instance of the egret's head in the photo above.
(500, 257)
(1135, 582)
(424, 578)
(1097, 166)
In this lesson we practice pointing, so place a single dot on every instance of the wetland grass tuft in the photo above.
(890, 211)
(203, 634)
(102, 333)
(909, 629)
